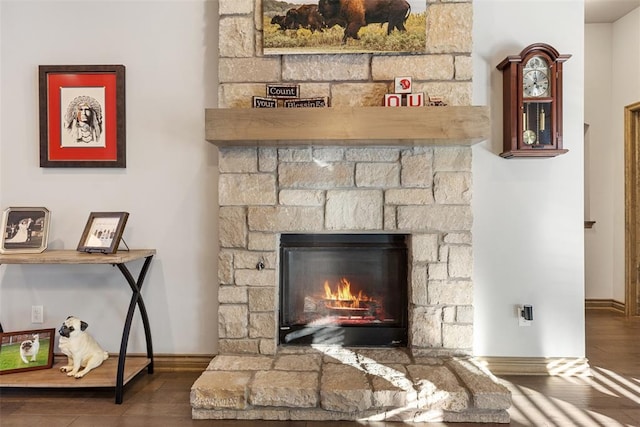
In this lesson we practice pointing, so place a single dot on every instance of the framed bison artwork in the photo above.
(343, 26)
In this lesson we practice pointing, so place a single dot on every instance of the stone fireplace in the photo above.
(417, 192)
(341, 179)
(423, 192)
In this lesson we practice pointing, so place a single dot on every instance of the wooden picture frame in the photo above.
(82, 116)
(103, 232)
(19, 354)
(25, 230)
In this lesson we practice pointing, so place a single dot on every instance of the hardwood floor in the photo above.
(610, 398)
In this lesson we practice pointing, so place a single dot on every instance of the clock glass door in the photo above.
(537, 103)
(536, 123)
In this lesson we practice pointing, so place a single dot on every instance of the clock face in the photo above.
(535, 83)
(535, 78)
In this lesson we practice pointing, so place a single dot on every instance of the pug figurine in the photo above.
(81, 349)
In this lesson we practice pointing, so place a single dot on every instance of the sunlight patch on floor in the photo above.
(569, 368)
(618, 384)
(533, 408)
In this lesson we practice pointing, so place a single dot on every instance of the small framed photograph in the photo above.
(82, 116)
(103, 232)
(26, 350)
(25, 230)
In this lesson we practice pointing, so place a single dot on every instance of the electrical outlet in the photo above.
(37, 314)
(521, 320)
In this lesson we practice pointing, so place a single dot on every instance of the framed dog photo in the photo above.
(103, 232)
(82, 116)
(25, 230)
(26, 350)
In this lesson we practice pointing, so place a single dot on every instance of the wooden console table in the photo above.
(108, 375)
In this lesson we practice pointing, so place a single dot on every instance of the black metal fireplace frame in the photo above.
(377, 335)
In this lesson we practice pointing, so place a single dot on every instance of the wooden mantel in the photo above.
(450, 125)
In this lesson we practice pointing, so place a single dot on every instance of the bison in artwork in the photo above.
(279, 20)
(305, 16)
(355, 14)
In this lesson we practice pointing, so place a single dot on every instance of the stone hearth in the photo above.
(333, 383)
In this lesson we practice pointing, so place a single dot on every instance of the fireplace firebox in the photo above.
(343, 289)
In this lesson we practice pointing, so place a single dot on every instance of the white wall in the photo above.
(169, 187)
(612, 61)
(528, 233)
(599, 253)
(528, 213)
(625, 91)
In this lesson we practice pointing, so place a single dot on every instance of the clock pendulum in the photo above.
(528, 136)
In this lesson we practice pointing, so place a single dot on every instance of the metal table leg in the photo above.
(136, 300)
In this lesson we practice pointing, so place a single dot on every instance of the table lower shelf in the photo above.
(103, 376)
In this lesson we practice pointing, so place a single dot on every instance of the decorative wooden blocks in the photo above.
(403, 85)
(404, 99)
(393, 100)
(403, 95)
(415, 99)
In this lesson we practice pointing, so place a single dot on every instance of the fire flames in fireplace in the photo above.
(342, 297)
(343, 289)
(344, 306)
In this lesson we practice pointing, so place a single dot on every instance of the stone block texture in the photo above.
(420, 191)
(444, 69)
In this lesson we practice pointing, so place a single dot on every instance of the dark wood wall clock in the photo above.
(532, 102)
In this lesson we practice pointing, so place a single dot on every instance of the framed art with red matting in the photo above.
(82, 116)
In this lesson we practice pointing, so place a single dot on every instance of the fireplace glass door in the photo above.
(343, 289)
